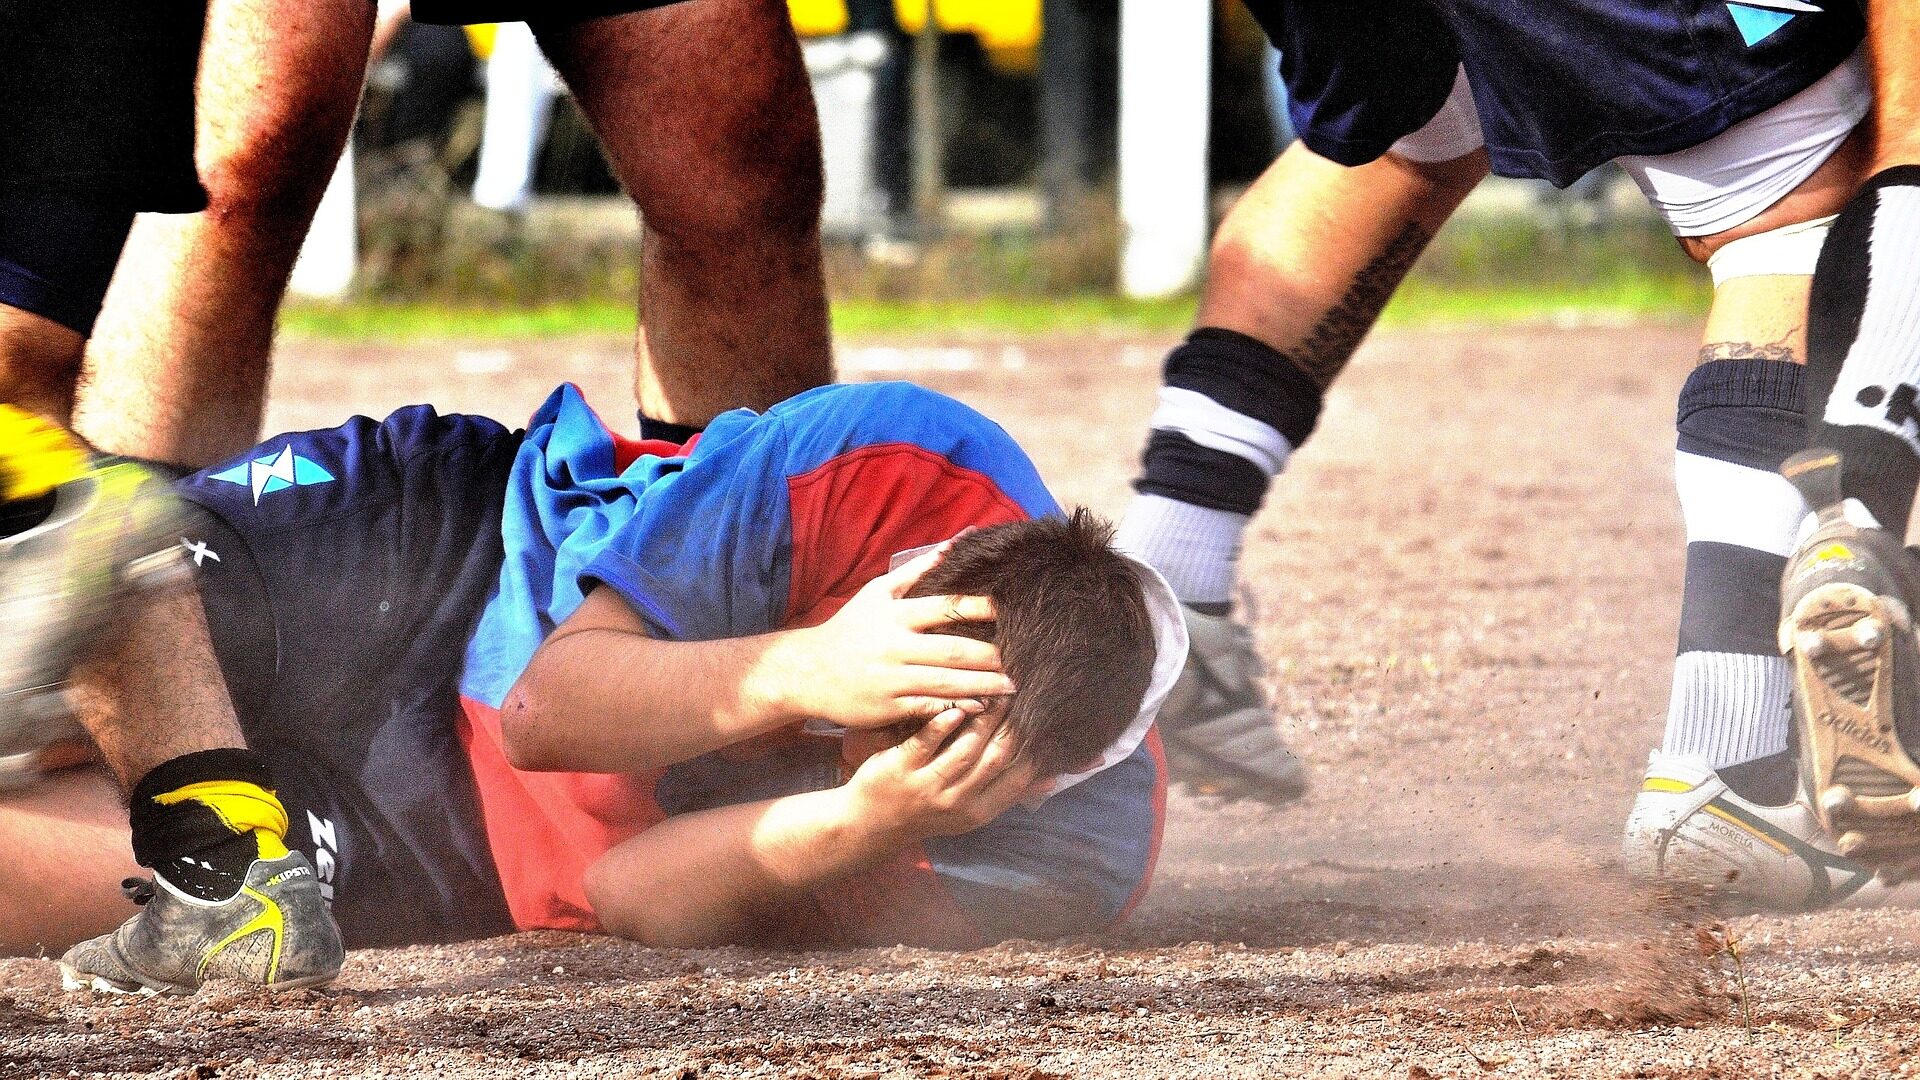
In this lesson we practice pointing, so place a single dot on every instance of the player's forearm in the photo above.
(1311, 253)
(607, 700)
(1893, 40)
(719, 876)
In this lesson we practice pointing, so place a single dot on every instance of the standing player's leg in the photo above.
(1720, 800)
(228, 899)
(1851, 589)
(706, 114)
(180, 358)
(1300, 269)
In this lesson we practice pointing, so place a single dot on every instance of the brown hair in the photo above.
(1071, 625)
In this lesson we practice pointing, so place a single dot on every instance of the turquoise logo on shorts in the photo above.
(1758, 20)
(275, 472)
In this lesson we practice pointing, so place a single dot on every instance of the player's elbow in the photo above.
(524, 730)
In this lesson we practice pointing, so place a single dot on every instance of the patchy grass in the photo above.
(1421, 303)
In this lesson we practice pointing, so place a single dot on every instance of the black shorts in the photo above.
(468, 12)
(99, 100)
(342, 572)
(57, 254)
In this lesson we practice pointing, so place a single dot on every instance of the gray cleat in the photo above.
(112, 528)
(1217, 725)
(276, 932)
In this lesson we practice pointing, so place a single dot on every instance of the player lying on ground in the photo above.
(1403, 107)
(558, 679)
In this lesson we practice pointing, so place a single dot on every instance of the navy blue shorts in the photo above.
(342, 572)
(1561, 86)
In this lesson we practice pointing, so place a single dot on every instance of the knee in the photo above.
(274, 188)
(763, 183)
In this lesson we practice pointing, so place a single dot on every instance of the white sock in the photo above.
(1196, 547)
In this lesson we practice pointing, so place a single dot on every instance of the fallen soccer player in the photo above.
(689, 695)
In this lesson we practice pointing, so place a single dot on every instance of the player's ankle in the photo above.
(201, 820)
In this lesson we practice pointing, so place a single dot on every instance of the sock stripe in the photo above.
(1216, 427)
(1195, 547)
(1729, 708)
(1727, 503)
(1247, 376)
(1181, 469)
(1732, 600)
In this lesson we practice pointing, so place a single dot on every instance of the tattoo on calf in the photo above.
(1750, 350)
(1330, 344)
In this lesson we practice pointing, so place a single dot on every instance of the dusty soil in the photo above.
(1467, 586)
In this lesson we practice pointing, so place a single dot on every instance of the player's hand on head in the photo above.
(882, 659)
(957, 773)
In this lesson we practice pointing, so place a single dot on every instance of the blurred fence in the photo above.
(1001, 182)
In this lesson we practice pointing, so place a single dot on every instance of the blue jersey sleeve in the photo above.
(708, 550)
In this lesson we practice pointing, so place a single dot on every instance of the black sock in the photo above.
(677, 434)
(1768, 781)
(201, 820)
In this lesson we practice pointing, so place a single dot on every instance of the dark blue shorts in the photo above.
(342, 571)
(57, 254)
(1561, 86)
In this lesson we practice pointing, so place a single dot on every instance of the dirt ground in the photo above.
(1467, 586)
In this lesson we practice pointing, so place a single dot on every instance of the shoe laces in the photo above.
(137, 889)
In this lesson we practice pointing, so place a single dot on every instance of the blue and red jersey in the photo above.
(767, 522)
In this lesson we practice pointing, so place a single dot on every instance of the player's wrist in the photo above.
(776, 689)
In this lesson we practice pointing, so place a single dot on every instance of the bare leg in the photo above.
(63, 853)
(1739, 418)
(180, 355)
(153, 690)
(1309, 256)
(39, 364)
(706, 114)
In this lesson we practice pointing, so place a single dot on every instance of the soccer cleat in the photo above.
(1217, 727)
(110, 525)
(276, 932)
(1847, 626)
(1687, 826)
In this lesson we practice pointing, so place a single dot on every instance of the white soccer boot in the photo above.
(1686, 825)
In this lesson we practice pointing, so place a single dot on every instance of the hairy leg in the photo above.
(63, 854)
(1309, 256)
(1300, 270)
(705, 111)
(153, 690)
(180, 356)
(39, 364)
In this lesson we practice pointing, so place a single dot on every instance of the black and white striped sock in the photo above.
(1737, 421)
(1231, 412)
(1863, 345)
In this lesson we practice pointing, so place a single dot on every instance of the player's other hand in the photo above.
(957, 773)
(882, 659)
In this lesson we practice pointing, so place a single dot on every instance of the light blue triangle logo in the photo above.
(1757, 23)
(275, 472)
